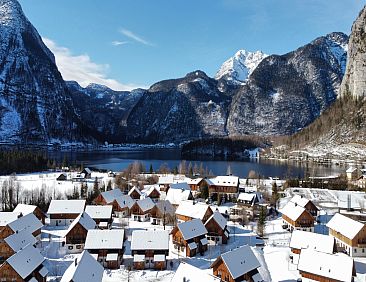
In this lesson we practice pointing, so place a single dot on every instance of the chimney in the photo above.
(76, 261)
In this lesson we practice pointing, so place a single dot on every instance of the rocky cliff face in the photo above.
(35, 106)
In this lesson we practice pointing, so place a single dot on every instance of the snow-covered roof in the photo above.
(85, 220)
(240, 261)
(84, 268)
(180, 186)
(248, 197)
(150, 240)
(7, 217)
(176, 196)
(146, 204)
(192, 209)
(104, 239)
(193, 181)
(20, 240)
(134, 188)
(138, 258)
(338, 267)
(188, 272)
(66, 207)
(112, 257)
(231, 181)
(345, 225)
(219, 218)
(26, 261)
(166, 179)
(292, 211)
(28, 222)
(25, 209)
(169, 209)
(314, 241)
(87, 170)
(191, 229)
(111, 195)
(351, 169)
(125, 201)
(148, 189)
(301, 201)
(99, 212)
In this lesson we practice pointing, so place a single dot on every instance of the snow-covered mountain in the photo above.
(238, 68)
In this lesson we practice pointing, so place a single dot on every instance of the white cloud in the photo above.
(119, 43)
(135, 37)
(82, 69)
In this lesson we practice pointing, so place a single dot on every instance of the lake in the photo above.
(118, 160)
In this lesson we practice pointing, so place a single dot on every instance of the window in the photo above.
(70, 247)
(363, 250)
(78, 247)
(355, 250)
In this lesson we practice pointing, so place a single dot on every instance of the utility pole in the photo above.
(164, 217)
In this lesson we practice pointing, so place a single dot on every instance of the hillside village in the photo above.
(183, 228)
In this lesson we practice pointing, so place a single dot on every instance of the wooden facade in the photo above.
(99, 200)
(9, 274)
(5, 250)
(220, 270)
(154, 195)
(40, 215)
(77, 235)
(59, 218)
(161, 217)
(135, 194)
(316, 277)
(197, 186)
(206, 216)
(182, 244)
(215, 230)
(149, 256)
(305, 220)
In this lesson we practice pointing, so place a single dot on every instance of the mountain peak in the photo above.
(238, 68)
(11, 15)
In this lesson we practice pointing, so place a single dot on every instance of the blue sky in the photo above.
(130, 43)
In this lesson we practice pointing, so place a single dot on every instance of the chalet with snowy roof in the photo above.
(237, 265)
(141, 210)
(150, 248)
(163, 213)
(165, 182)
(83, 268)
(301, 240)
(228, 186)
(107, 197)
(76, 233)
(102, 215)
(25, 265)
(247, 199)
(179, 192)
(349, 234)
(353, 173)
(188, 272)
(305, 203)
(62, 177)
(6, 218)
(295, 217)
(29, 223)
(318, 266)
(14, 243)
(152, 192)
(27, 209)
(189, 238)
(107, 245)
(63, 212)
(122, 205)
(188, 210)
(195, 183)
(135, 193)
(87, 173)
(216, 226)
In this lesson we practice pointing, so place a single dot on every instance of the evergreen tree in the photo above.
(109, 185)
(275, 195)
(151, 170)
(204, 191)
(261, 221)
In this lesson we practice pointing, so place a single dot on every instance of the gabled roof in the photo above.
(29, 222)
(84, 269)
(230, 181)
(248, 197)
(87, 170)
(176, 196)
(66, 207)
(125, 201)
(84, 220)
(111, 195)
(149, 189)
(351, 169)
(219, 219)
(301, 201)
(7, 217)
(239, 261)
(25, 209)
(180, 186)
(99, 212)
(338, 267)
(192, 209)
(293, 211)
(104, 239)
(193, 181)
(146, 204)
(133, 189)
(150, 240)
(314, 241)
(188, 272)
(20, 240)
(26, 261)
(169, 209)
(191, 229)
(345, 225)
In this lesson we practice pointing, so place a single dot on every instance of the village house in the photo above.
(189, 238)
(349, 234)
(152, 192)
(318, 266)
(84, 268)
(107, 197)
(216, 226)
(134, 193)
(102, 215)
(29, 222)
(122, 205)
(196, 183)
(163, 213)
(165, 182)
(179, 192)
(25, 265)
(149, 249)
(248, 199)
(295, 217)
(27, 209)
(141, 210)
(353, 173)
(14, 243)
(308, 240)
(306, 204)
(107, 245)
(61, 177)
(240, 264)
(190, 209)
(87, 173)
(76, 233)
(63, 212)
(188, 272)
(226, 186)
